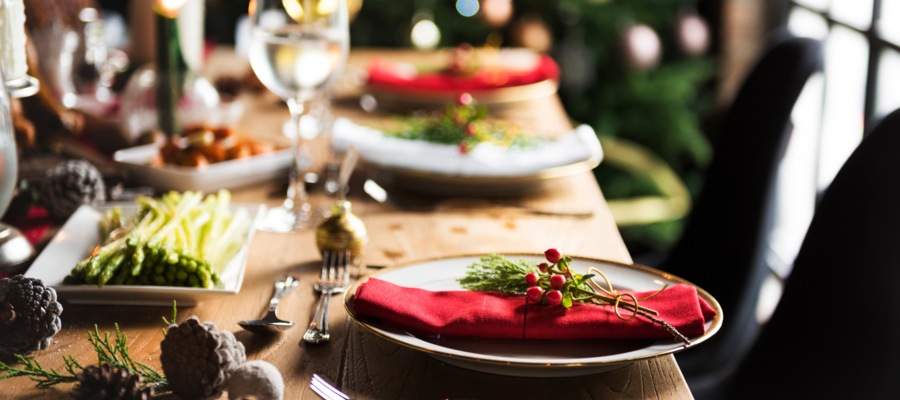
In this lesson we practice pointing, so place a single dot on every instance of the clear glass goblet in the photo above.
(297, 49)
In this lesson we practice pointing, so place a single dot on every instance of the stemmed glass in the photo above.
(297, 48)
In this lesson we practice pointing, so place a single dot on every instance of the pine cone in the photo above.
(198, 359)
(29, 315)
(108, 383)
(71, 184)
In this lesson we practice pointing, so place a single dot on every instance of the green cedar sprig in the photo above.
(495, 273)
(115, 354)
(36, 372)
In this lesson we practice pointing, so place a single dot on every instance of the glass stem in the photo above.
(297, 195)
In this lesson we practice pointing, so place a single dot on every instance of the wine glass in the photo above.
(15, 250)
(297, 48)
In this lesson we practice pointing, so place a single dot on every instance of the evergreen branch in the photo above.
(34, 371)
(497, 274)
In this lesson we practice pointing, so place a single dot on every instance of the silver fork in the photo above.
(324, 389)
(334, 279)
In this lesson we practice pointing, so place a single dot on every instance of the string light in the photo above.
(467, 8)
(425, 35)
(293, 8)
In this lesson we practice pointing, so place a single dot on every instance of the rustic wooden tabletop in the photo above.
(359, 363)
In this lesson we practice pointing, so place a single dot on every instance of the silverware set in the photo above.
(270, 323)
(324, 389)
(335, 278)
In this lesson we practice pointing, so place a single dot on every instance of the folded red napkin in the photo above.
(388, 75)
(497, 315)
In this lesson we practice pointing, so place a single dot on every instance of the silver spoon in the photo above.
(270, 323)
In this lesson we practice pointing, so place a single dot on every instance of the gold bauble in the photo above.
(342, 231)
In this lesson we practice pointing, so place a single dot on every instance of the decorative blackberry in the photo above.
(29, 315)
(109, 383)
(198, 359)
(71, 184)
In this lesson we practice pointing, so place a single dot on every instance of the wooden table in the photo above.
(361, 364)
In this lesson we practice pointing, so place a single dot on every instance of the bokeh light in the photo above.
(425, 34)
(467, 8)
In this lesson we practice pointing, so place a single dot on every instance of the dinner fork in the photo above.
(334, 279)
(324, 389)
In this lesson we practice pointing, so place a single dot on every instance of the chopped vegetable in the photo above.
(176, 240)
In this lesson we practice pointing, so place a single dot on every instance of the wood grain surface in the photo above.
(357, 362)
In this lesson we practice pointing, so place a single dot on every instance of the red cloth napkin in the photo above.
(390, 76)
(498, 315)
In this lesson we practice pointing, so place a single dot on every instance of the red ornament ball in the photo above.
(532, 279)
(554, 297)
(557, 281)
(534, 294)
(552, 255)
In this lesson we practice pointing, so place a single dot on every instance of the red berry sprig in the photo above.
(555, 284)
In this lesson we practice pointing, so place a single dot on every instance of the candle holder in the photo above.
(22, 87)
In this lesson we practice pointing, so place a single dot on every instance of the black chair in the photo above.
(724, 241)
(834, 333)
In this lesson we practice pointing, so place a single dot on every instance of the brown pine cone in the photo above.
(29, 315)
(108, 383)
(198, 359)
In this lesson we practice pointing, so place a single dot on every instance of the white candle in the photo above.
(143, 30)
(12, 39)
(190, 31)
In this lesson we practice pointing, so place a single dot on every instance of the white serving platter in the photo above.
(223, 175)
(81, 233)
(531, 357)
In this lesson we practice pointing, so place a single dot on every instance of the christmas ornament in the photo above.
(108, 383)
(29, 315)
(342, 231)
(531, 32)
(496, 13)
(71, 184)
(198, 359)
(256, 379)
(692, 33)
(640, 47)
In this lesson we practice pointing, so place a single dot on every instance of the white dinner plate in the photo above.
(81, 233)
(531, 357)
(231, 174)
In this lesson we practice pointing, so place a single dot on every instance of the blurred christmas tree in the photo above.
(634, 69)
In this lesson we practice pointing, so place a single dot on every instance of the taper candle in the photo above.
(12, 39)
(170, 65)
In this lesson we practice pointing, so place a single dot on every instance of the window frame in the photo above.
(876, 45)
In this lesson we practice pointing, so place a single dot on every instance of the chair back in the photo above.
(834, 333)
(723, 245)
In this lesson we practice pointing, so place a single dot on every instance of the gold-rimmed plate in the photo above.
(529, 357)
(488, 186)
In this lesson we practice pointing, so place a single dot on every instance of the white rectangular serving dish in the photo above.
(81, 233)
(223, 175)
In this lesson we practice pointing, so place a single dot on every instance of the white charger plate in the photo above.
(232, 174)
(81, 233)
(531, 357)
